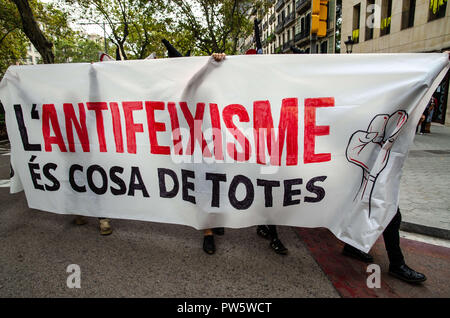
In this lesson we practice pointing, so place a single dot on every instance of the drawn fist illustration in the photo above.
(370, 149)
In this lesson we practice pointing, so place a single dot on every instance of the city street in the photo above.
(144, 259)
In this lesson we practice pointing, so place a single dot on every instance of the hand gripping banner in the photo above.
(300, 140)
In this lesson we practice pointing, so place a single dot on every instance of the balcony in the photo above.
(302, 5)
(287, 45)
(279, 27)
(302, 35)
(279, 5)
(272, 18)
(289, 19)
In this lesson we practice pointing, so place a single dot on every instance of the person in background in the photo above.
(105, 226)
(425, 122)
(265, 231)
(209, 245)
(268, 232)
(433, 105)
(391, 235)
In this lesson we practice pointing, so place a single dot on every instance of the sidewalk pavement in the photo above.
(425, 184)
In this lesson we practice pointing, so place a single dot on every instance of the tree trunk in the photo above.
(33, 32)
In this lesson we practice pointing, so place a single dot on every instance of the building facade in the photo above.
(287, 23)
(33, 56)
(293, 27)
(400, 26)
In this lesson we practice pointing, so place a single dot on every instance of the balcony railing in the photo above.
(289, 19)
(279, 4)
(279, 27)
(272, 18)
(301, 35)
(301, 4)
(287, 45)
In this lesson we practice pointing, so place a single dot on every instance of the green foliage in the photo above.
(13, 43)
(215, 26)
(134, 28)
(77, 49)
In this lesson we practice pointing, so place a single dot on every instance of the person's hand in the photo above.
(218, 56)
(448, 52)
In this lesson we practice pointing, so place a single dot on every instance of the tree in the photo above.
(147, 30)
(77, 48)
(13, 42)
(216, 26)
(123, 17)
(31, 29)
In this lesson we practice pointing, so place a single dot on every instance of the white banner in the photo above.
(300, 140)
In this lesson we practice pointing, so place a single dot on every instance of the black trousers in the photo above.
(391, 237)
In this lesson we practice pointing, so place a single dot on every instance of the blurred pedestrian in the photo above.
(427, 117)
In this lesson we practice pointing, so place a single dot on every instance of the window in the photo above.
(308, 23)
(370, 13)
(408, 12)
(356, 22)
(437, 9)
(386, 10)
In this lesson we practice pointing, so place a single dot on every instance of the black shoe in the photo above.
(406, 274)
(208, 244)
(358, 254)
(219, 230)
(278, 247)
(263, 231)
